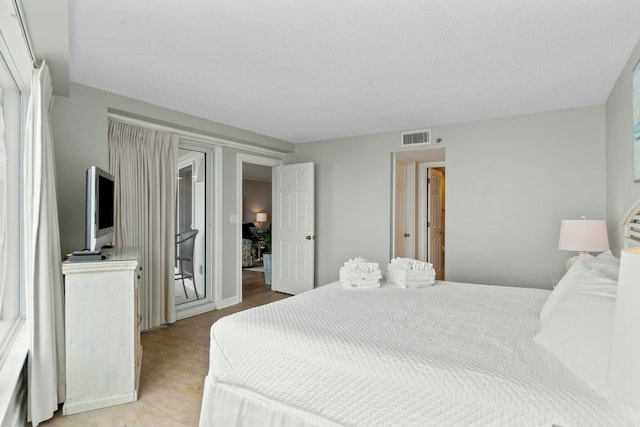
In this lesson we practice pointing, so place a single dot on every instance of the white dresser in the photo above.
(102, 331)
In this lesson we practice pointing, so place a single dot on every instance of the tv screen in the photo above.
(105, 202)
(100, 204)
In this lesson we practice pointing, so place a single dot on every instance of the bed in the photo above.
(451, 354)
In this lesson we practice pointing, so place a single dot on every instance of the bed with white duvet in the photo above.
(449, 355)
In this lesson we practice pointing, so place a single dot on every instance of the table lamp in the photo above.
(583, 236)
(261, 217)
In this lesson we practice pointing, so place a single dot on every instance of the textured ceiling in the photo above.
(318, 69)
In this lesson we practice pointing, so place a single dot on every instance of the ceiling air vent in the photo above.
(420, 137)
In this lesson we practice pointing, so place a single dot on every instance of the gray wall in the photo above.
(257, 198)
(621, 190)
(510, 182)
(80, 134)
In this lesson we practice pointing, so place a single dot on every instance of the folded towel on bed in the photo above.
(416, 284)
(411, 273)
(360, 273)
(412, 276)
(410, 264)
(408, 279)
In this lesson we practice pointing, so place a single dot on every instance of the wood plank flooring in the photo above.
(175, 362)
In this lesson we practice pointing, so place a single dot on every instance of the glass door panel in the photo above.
(190, 282)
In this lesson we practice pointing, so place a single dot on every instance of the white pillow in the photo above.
(574, 274)
(578, 330)
(605, 263)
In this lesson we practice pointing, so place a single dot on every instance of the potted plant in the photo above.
(266, 256)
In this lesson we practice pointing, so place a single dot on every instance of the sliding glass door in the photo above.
(191, 233)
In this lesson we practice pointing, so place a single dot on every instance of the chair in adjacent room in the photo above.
(247, 253)
(184, 259)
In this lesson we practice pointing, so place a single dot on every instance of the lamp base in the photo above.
(574, 259)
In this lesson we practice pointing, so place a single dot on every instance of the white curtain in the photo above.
(3, 204)
(43, 272)
(143, 162)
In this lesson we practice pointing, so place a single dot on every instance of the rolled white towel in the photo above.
(413, 274)
(360, 273)
(410, 264)
(363, 267)
(411, 279)
(348, 273)
(398, 276)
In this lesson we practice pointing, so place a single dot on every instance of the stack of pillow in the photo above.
(360, 273)
(577, 319)
(411, 273)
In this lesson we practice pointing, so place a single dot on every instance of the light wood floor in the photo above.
(175, 362)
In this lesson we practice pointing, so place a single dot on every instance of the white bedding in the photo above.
(452, 354)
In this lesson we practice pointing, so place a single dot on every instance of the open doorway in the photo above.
(255, 216)
(256, 223)
(418, 207)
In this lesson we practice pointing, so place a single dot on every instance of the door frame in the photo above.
(241, 159)
(213, 229)
(189, 160)
(423, 200)
(435, 157)
(410, 205)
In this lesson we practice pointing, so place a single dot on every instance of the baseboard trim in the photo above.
(204, 307)
(74, 407)
(227, 302)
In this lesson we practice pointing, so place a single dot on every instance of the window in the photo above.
(15, 75)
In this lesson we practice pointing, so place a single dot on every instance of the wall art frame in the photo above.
(636, 122)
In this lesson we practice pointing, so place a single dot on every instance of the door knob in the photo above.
(406, 234)
(310, 237)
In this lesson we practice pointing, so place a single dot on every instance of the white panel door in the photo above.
(405, 194)
(293, 228)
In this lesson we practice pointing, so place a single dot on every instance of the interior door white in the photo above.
(401, 214)
(404, 233)
(293, 228)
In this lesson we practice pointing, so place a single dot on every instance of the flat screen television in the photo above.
(100, 209)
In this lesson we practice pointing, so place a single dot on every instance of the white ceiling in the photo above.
(304, 70)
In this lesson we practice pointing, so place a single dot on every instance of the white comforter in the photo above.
(452, 354)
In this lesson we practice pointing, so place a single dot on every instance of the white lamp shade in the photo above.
(583, 235)
(624, 363)
(261, 217)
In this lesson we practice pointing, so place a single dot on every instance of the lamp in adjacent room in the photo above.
(624, 361)
(583, 236)
(261, 218)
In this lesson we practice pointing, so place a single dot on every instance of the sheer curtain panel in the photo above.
(3, 206)
(143, 162)
(43, 272)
